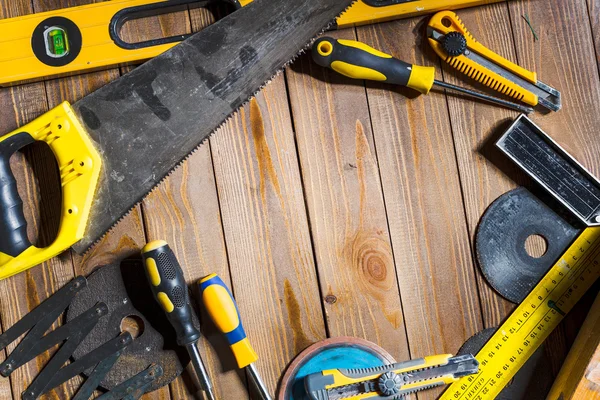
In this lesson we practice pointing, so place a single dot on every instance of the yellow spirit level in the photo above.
(365, 12)
(84, 38)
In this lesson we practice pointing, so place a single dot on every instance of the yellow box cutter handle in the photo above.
(79, 166)
(447, 22)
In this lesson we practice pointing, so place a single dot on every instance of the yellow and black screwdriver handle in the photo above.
(170, 289)
(360, 61)
(223, 310)
(79, 165)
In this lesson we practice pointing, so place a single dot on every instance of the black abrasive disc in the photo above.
(125, 290)
(500, 242)
(532, 382)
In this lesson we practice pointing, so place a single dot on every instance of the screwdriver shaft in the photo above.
(258, 383)
(200, 370)
(483, 96)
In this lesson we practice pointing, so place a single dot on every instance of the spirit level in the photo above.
(85, 38)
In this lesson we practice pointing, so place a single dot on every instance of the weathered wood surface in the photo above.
(332, 207)
(579, 377)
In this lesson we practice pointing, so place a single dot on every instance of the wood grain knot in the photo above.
(372, 258)
(330, 299)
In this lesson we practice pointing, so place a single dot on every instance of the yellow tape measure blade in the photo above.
(532, 321)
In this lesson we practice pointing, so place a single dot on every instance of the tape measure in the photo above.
(532, 321)
(84, 38)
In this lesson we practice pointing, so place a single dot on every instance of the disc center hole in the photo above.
(536, 246)
(132, 324)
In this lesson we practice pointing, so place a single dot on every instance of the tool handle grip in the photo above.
(170, 290)
(13, 225)
(223, 310)
(359, 61)
(240, 3)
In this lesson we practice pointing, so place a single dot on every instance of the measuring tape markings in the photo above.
(564, 284)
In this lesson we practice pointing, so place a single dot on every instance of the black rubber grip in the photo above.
(396, 71)
(13, 226)
(173, 285)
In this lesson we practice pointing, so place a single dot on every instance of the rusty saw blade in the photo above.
(147, 122)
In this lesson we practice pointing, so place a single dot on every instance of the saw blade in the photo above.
(150, 120)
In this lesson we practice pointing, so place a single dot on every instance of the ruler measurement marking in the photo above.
(472, 383)
(482, 387)
(508, 349)
(570, 270)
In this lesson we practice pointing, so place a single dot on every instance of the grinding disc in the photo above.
(125, 290)
(340, 352)
(532, 382)
(500, 242)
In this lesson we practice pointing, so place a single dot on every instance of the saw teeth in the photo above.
(227, 119)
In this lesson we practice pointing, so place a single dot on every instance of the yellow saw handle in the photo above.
(79, 166)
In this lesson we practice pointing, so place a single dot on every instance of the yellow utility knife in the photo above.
(389, 381)
(455, 45)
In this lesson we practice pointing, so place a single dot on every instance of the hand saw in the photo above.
(88, 37)
(143, 125)
(389, 381)
(450, 39)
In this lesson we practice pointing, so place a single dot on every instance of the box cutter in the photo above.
(389, 381)
(454, 44)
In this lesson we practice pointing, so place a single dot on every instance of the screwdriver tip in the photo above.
(209, 394)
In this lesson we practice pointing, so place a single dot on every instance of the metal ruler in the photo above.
(532, 321)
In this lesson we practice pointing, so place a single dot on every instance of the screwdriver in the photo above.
(222, 308)
(360, 61)
(170, 290)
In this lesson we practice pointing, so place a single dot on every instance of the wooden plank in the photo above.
(126, 239)
(25, 291)
(266, 231)
(594, 16)
(345, 203)
(563, 44)
(184, 211)
(423, 196)
(564, 58)
(474, 125)
(579, 377)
